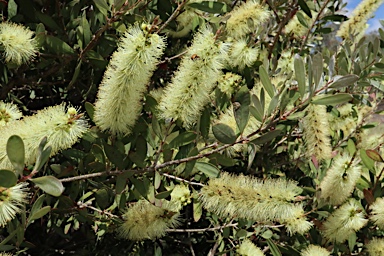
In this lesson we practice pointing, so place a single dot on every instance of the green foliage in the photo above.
(247, 167)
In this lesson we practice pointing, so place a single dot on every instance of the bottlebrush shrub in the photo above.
(199, 128)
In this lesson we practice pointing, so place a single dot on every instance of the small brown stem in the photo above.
(173, 15)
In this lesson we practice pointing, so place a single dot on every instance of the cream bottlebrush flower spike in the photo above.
(377, 213)
(8, 113)
(121, 91)
(316, 132)
(340, 179)
(375, 247)
(356, 24)
(296, 28)
(17, 43)
(315, 250)
(242, 55)
(62, 127)
(192, 84)
(345, 221)
(143, 220)
(247, 248)
(246, 18)
(257, 200)
(11, 201)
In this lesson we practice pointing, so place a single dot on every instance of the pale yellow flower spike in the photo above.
(315, 250)
(8, 113)
(143, 221)
(344, 222)
(375, 247)
(18, 45)
(199, 70)
(11, 201)
(257, 200)
(121, 91)
(246, 18)
(377, 213)
(317, 133)
(247, 248)
(62, 128)
(340, 180)
(356, 24)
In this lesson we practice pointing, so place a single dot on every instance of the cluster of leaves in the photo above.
(78, 201)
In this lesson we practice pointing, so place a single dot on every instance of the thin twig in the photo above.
(312, 25)
(173, 16)
(167, 59)
(84, 205)
(182, 180)
(191, 230)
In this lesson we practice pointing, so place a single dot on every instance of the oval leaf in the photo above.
(266, 82)
(49, 184)
(266, 137)
(40, 213)
(208, 169)
(7, 178)
(16, 152)
(344, 81)
(224, 133)
(332, 99)
(374, 155)
(300, 74)
(182, 139)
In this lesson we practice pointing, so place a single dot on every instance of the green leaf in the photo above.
(208, 169)
(39, 213)
(343, 81)
(367, 161)
(16, 153)
(266, 137)
(300, 74)
(102, 6)
(197, 210)
(141, 186)
(38, 204)
(75, 74)
(48, 21)
(264, 77)
(42, 158)
(98, 153)
(49, 184)
(205, 123)
(336, 17)
(241, 113)
(58, 46)
(241, 233)
(374, 155)
(182, 139)
(115, 156)
(351, 147)
(156, 128)
(210, 7)
(317, 68)
(273, 247)
(12, 9)
(163, 194)
(303, 5)
(102, 198)
(332, 99)
(257, 110)
(7, 178)
(90, 109)
(87, 33)
(224, 133)
(267, 234)
(43, 155)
